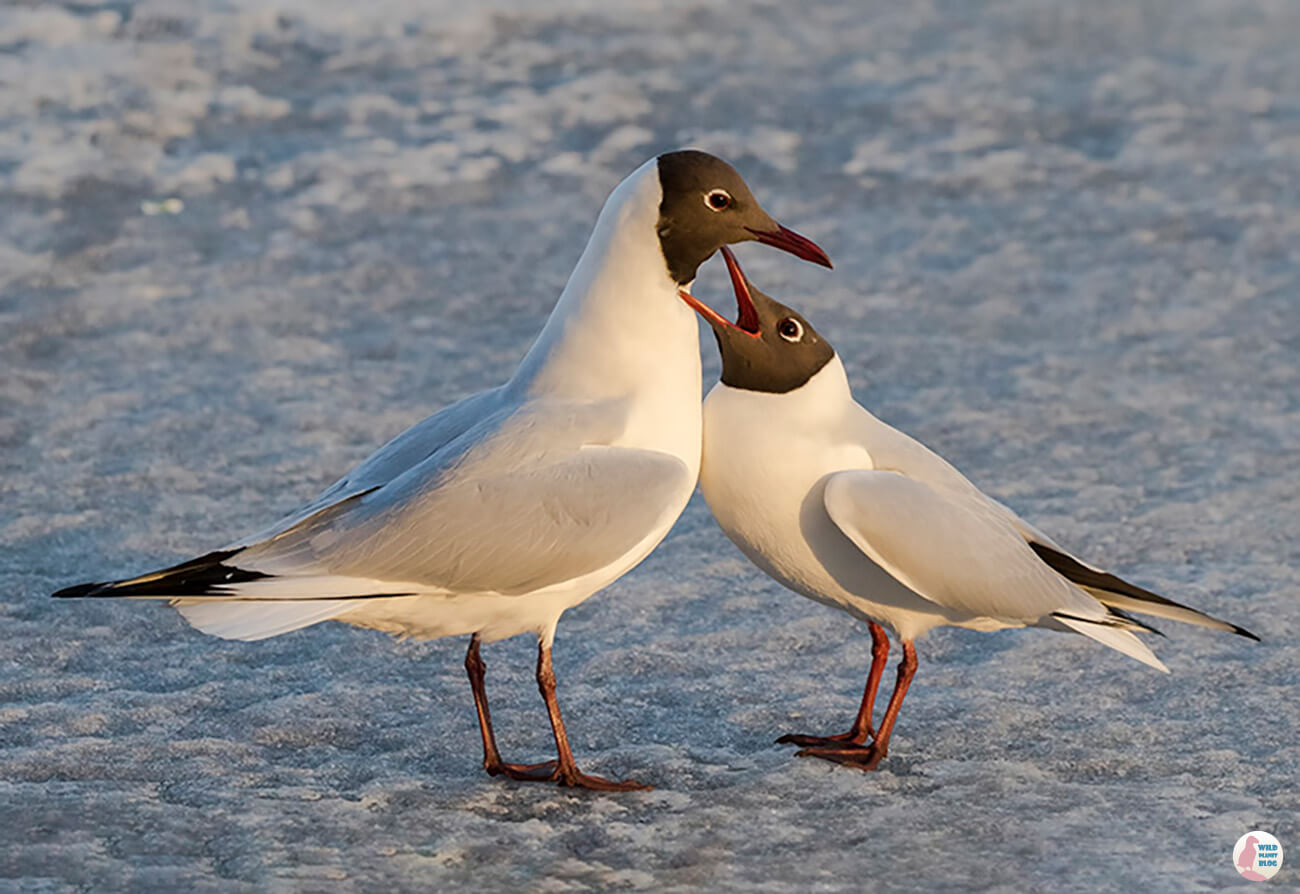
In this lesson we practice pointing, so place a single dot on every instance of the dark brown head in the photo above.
(707, 205)
(770, 347)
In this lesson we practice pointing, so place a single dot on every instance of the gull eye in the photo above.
(718, 199)
(790, 329)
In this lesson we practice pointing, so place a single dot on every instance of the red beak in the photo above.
(789, 240)
(746, 312)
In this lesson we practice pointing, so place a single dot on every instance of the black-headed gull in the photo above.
(495, 515)
(843, 509)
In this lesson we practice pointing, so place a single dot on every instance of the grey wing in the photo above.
(956, 550)
(479, 413)
(487, 525)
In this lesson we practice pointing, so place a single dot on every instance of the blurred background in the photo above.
(244, 243)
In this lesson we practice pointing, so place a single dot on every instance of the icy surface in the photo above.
(242, 246)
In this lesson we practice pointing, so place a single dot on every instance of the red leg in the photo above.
(566, 772)
(492, 762)
(861, 730)
(869, 757)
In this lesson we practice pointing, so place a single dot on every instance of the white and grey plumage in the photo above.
(843, 509)
(498, 513)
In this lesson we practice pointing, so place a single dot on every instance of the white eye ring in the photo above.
(718, 200)
(790, 329)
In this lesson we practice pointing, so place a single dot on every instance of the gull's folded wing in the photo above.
(508, 531)
(483, 497)
(957, 550)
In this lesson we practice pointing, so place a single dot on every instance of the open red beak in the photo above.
(789, 240)
(746, 312)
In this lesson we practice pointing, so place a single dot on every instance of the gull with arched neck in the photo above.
(495, 515)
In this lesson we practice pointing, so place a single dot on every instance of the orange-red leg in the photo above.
(567, 772)
(861, 730)
(492, 762)
(869, 757)
(564, 770)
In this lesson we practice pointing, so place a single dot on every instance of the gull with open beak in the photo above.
(843, 509)
(496, 514)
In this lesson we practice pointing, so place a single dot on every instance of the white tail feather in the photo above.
(269, 606)
(1119, 640)
(258, 620)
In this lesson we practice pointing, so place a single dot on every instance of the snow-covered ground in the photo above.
(1067, 240)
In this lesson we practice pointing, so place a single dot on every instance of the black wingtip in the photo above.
(1076, 572)
(94, 588)
(205, 576)
(1242, 631)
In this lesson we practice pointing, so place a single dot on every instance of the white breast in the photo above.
(765, 459)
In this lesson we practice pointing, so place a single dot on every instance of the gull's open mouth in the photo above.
(746, 312)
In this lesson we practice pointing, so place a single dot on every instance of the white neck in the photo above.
(619, 331)
(823, 397)
(828, 389)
